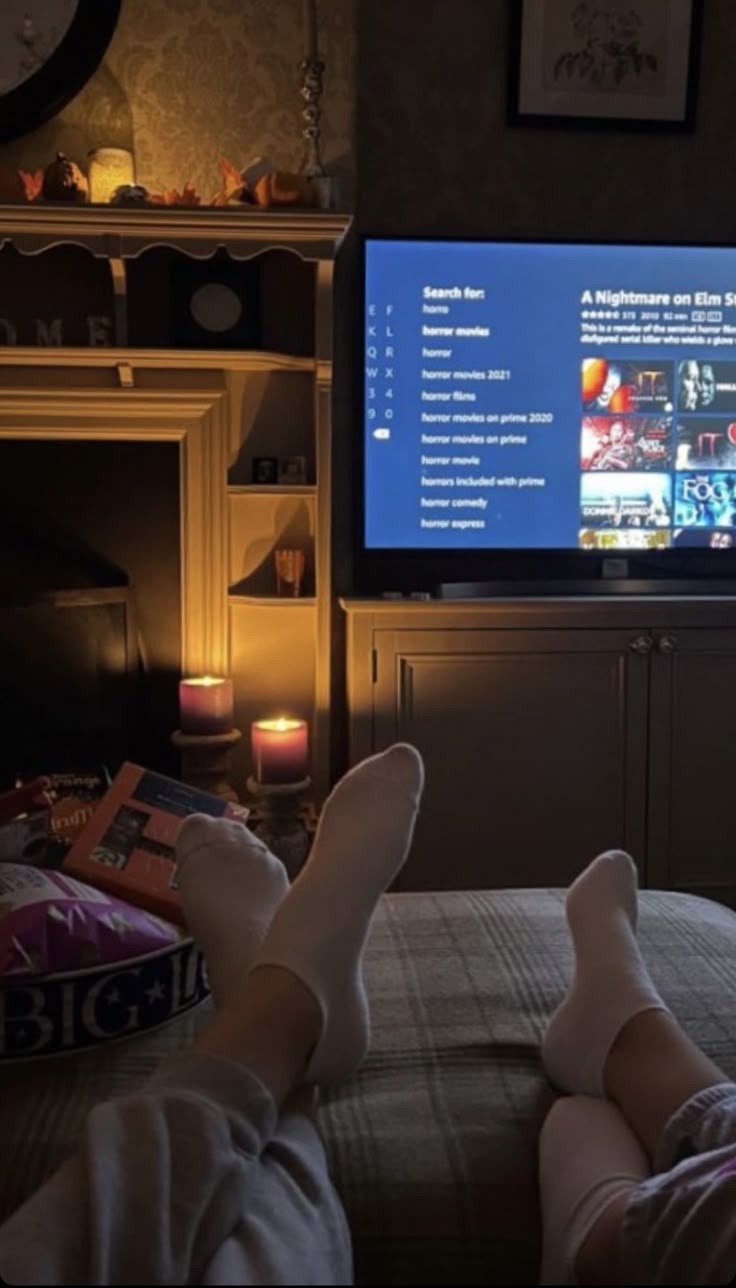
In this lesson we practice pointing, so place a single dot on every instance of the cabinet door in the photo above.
(693, 763)
(534, 744)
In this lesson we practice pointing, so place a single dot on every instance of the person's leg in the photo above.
(652, 1070)
(589, 1162)
(231, 885)
(162, 1177)
(614, 1036)
(160, 1191)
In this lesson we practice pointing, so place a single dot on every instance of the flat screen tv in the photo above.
(547, 412)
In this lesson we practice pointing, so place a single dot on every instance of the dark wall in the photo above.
(434, 153)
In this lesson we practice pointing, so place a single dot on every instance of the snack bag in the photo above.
(50, 923)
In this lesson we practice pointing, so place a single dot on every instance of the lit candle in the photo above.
(310, 29)
(206, 705)
(280, 752)
(109, 169)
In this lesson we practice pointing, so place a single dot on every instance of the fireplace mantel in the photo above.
(194, 419)
(114, 233)
(278, 651)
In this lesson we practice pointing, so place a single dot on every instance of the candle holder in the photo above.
(284, 821)
(312, 69)
(205, 761)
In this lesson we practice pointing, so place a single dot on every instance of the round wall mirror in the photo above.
(49, 49)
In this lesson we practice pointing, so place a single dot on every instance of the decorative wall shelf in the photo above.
(110, 232)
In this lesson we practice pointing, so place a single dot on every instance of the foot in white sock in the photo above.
(231, 885)
(320, 930)
(588, 1157)
(611, 983)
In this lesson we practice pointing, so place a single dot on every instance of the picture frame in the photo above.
(265, 471)
(293, 470)
(611, 65)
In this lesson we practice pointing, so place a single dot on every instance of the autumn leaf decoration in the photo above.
(232, 183)
(188, 196)
(32, 183)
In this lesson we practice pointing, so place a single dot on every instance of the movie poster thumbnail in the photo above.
(706, 500)
(626, 500)
(623, 539)
(705, 443)
(613, 386)
(610, 443)
(703, 385)
(705, 538)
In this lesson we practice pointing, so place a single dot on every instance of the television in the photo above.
(551, 415)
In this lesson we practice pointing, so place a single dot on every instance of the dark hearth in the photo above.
(89, 604)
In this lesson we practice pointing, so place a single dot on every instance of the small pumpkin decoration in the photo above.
(63, 181)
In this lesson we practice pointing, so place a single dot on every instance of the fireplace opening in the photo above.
(90, 604)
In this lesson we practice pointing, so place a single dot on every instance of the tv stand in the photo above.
(555, 727)
(550, 588)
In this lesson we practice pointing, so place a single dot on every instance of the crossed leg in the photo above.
(214, 1172)
(635, 1076)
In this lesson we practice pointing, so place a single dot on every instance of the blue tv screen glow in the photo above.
(527, 396)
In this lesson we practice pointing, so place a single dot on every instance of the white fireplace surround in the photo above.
(197, 420)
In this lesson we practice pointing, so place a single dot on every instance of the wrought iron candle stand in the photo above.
(313, 70)
(205, 761)
(284, 820)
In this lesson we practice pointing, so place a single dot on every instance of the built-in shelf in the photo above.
(276, 489)
(272, 601)
(200, 359)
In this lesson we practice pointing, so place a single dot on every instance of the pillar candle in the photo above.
(109, 168)
(206, 705)
(280, 751)
(310, 30)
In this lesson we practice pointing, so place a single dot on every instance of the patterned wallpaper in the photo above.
(187, 81)
(435, 153)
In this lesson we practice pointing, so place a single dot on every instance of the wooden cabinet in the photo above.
(554, 730)
(692, 762)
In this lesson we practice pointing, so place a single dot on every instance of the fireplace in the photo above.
(90, 604)
(113, 576)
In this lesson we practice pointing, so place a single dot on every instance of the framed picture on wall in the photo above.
(610, 64)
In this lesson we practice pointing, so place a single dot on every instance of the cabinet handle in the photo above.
(668, 644)
(642, 644)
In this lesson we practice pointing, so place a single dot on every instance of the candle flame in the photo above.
(279, 726)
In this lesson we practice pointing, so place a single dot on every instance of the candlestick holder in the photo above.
(284, 821)
(205, 761)
(312, 70)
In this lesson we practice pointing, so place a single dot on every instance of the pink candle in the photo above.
(280, 751)
(206, 705)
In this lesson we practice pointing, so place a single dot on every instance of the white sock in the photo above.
(611, 984)
(231, 885)
(319, 932)
(588, 1156)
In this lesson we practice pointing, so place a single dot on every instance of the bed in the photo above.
(433, 1144)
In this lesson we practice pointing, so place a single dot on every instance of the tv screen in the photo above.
(546, 396)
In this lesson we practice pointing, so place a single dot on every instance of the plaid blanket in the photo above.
(433, 1144)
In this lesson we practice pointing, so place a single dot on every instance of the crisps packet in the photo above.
(51, 923)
